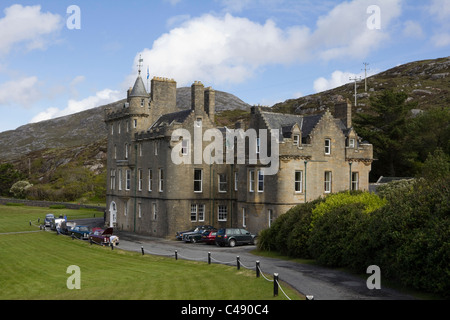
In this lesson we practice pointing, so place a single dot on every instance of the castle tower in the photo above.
(139, 105)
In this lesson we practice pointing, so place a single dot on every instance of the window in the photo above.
(140, 149)
(120, 179)
(112, 129)
(193, 212)
(139, 210)
(328, 182)
(258, 145)
(142, 102)
(260, 181)
(126, 150)
(198, 180)
(222, 213)
(135, 123)
(154, 211)
(125, 208)
(296, 140)
(244, 217)
(141, 179)
(155, 147)
(327, 146)
(298, 181)
(119, 127)
(197, 212)
(251, 184)
(270, 217)
(128, 184)
(185, 147)
(150, 179)
(115, 152)
(161, 180)
(236, 181)
(223, 183)
(198, 122)
(355, 181)
(351, 143)
(201, 212)
(113, 179)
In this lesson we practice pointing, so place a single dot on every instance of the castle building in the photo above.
(160, 180)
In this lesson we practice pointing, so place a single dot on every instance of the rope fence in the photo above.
(209, 259)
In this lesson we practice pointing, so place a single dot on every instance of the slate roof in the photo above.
(285, 122)
(139, 89)
(170, 118)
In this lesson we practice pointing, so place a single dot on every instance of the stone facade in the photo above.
(149, 193)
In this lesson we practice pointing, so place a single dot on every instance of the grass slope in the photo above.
(33, 266)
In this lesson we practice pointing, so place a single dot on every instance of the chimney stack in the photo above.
(343, 111)
(210, 103)
(197, 97)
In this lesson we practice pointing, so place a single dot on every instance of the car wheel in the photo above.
(232, 243)
(193, 240)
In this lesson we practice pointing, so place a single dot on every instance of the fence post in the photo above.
(275, 284)
(209, 257)
(257, 269)
(142, 250)
(176, 254)
(238, 263)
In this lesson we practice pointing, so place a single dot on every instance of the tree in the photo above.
(8, 176)
(385, 127)
(19, 189)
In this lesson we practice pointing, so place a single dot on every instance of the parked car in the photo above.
(104, 237)
(197, 233)
(48, 219)
(179, 234)
(81, 232)
(197, 236)
(55, 224)
(67, 226)
(209, 237)
(234, 236)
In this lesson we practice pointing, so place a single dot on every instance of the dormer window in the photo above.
(351, 143)
(296, 140)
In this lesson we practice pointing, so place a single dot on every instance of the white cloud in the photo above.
(101, 98)
(230, 50)
(222, 49)
(440, 11)
(27, 25)
(337, 79)
(23, 91)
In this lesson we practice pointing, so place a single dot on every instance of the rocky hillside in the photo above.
(426, 82)
(84, 128)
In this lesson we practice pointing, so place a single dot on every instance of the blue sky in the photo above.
(263, 51)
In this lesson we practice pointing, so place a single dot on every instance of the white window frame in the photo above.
(296, 140)
(201, 212)
(244, 217)
(251, 180)
(260, 181)
(328, 182)
(161, 180)
(141, 179)
(194, 211)
(327, 146)
(185, 147)
(355, 183)
(236, 181)
(120, 179)
(270, 214)
(298, 185)
(150, 180)
(222, 213)
(198, 181)
(113, 179)
(128, 180)
(154, 211)
(223, 184)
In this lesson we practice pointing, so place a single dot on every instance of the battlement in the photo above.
(162, 79)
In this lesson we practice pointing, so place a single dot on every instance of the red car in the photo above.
(209, 237)
(104, 237)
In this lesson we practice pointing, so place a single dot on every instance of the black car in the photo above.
(179, 235)
(234, 236)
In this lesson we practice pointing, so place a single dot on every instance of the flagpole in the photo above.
(148, 79)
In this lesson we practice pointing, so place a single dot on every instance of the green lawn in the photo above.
(34, 266)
